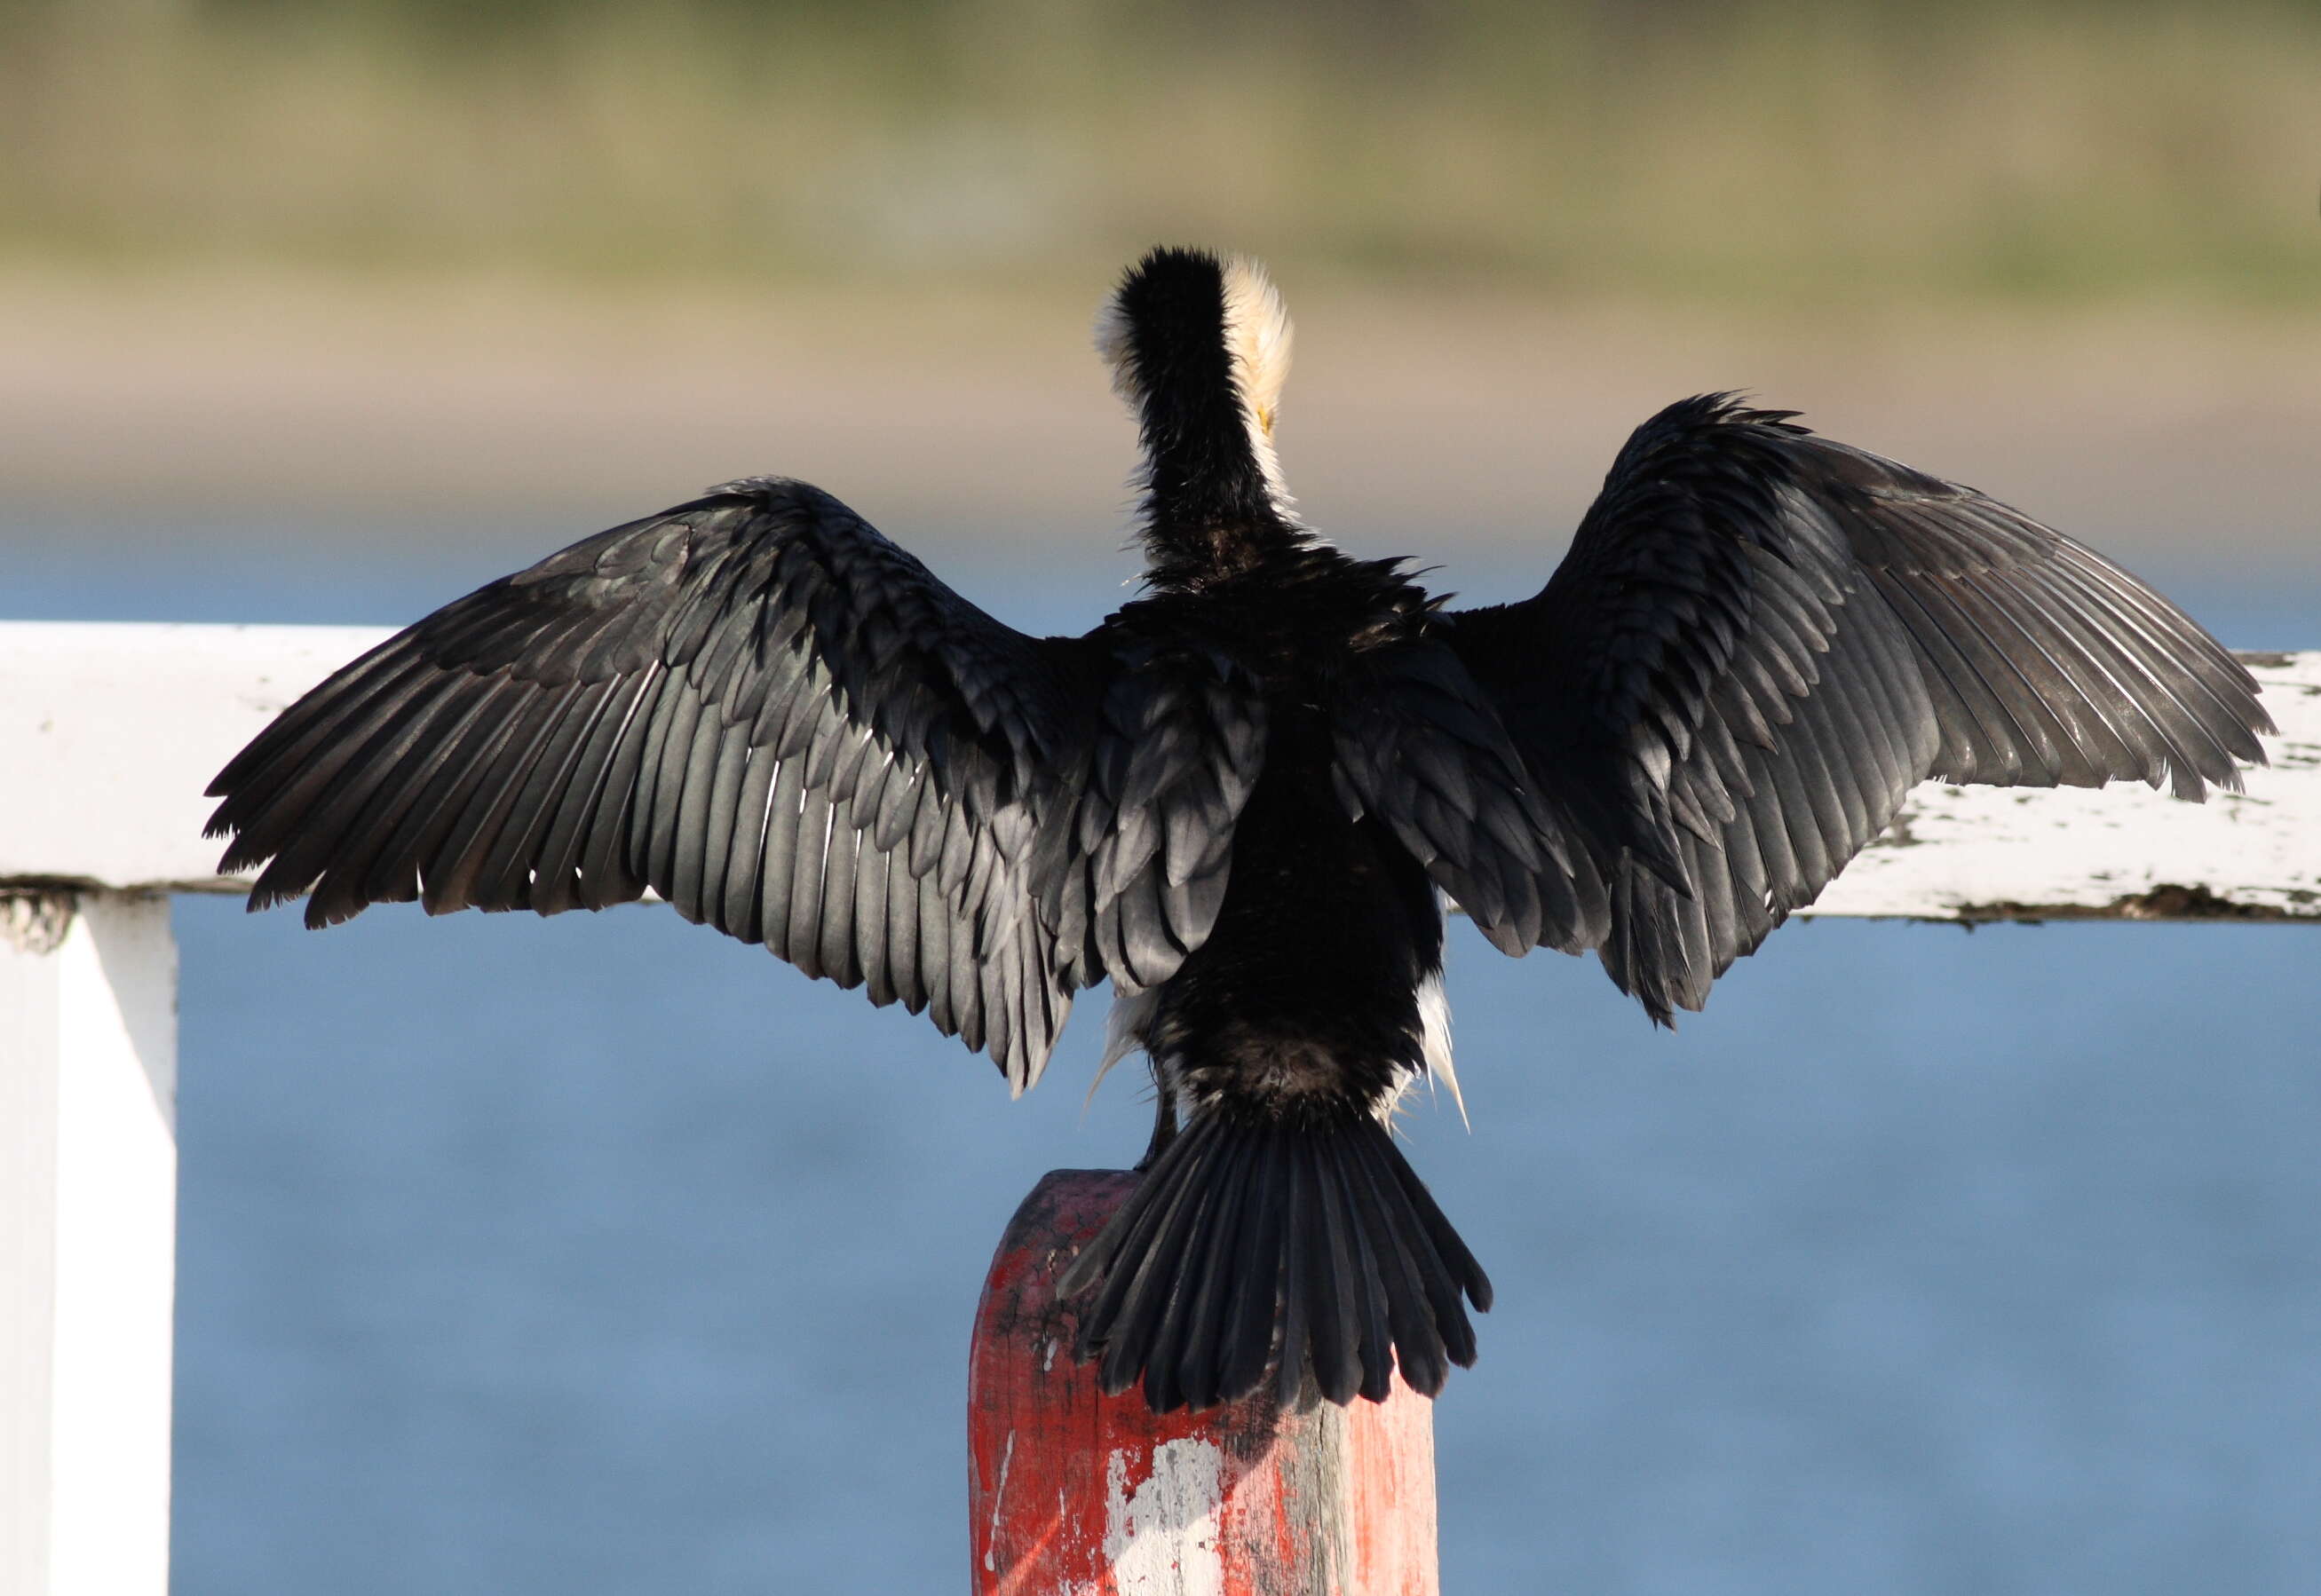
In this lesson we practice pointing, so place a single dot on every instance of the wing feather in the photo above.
(756, 707)
(1761, 639)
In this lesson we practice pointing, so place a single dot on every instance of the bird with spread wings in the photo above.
(1243, 799)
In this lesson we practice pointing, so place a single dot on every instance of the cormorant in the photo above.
(1243, 798)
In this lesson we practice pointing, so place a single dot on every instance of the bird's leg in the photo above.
(1164, 1119)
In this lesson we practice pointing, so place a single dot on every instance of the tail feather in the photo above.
(1263, 1252)
(1151, 1279)
(1362, 1281)
(1437, 1258)
(1410, 1311)
(1462, 1270)
(1256, 1244)
(1200, 1360)
(1128, 1234)
(1333, 1293)
(1180, 1366)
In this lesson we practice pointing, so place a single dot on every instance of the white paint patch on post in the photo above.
(1162, 1538)
(87, 1251)
(999, 1494)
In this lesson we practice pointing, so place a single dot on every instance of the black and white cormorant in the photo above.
(1243, 798)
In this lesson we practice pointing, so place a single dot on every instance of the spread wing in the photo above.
(759, 708)
(1761, 639)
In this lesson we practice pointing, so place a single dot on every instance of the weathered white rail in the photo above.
(2113, 852)
(109, 733)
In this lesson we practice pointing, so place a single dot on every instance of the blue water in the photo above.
(603, 1254)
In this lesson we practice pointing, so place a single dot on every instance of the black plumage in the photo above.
(1240, 798)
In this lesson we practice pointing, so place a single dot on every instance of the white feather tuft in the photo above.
(1258, 334)
(1258, 338)
(1434, 1040)
(1124, 1032)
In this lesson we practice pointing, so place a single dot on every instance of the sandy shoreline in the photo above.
(1462, 421)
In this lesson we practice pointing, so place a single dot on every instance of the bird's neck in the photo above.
(1198, 347)
(1186, 547)
(1213, 505)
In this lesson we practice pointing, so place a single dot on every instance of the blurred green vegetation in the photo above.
(1847, 149)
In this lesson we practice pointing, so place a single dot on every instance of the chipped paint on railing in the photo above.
(2122, 852)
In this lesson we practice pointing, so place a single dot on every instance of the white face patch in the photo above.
(1258, 337)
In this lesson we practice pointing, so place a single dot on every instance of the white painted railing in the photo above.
(109, 733)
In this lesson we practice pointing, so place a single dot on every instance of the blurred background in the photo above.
(598, 1254)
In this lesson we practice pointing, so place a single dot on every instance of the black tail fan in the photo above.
(1257, 1244)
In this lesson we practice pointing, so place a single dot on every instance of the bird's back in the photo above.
(1308, 983)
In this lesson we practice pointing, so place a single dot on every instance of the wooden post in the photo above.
(88, 1166)
(1074, 1493)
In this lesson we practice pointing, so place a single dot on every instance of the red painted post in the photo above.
(1074, 1493)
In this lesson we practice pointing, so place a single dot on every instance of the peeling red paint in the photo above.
(1074, 1493)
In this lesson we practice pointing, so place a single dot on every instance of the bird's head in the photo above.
(1198, 347)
